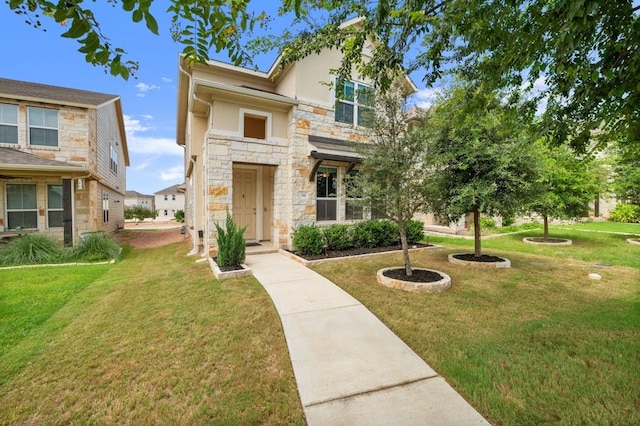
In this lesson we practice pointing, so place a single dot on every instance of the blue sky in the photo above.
(149, 102)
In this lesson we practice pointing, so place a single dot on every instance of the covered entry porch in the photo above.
(253, 201)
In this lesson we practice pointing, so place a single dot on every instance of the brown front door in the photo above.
(244, 201)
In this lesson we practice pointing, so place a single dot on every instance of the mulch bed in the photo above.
(417, 276)
(470, 257)
(355, 252)
(228, 268)
(548, 240)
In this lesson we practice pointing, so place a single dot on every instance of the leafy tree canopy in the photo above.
(586, 51)
(565, 185)
(479, 156)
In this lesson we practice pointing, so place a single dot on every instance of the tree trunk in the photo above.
(405, 249)
(546, 228)
(476, 232)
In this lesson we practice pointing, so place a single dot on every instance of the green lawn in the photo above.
(156, 339)
(596, 247)
(535, 344)
(153, 339)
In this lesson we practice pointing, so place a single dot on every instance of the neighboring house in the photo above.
(168, 201)
(134, 198)
(63, 154)
(273, 149)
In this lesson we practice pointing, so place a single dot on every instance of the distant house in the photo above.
(134, 198)
(63, 154)
(168, 201)
(274, 149)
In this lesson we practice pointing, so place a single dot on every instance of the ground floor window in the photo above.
(326, 194)
(105, 206)
(22, 205)
(353, 202)
(54, 206)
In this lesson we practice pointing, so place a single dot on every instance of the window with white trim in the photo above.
(8, 123)
(354, 103)
(54, 206)
(326, 193)
(43, 126)
(22, 205)
(113, 160)
(105, 206)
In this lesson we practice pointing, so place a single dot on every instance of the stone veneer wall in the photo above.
(294, 195)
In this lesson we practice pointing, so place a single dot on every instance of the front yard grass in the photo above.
(153, 339)
(537, 343)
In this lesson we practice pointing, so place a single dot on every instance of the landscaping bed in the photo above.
(332, 254)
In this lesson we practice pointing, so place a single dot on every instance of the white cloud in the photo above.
(143, 88)
(425, 98)
(173, 173)
(538, 88)
(132, 125)
(166, 80)
(147, 117)
(151, 145)
(148, 145)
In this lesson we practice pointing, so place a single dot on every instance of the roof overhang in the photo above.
(328, 149)
(15, 171)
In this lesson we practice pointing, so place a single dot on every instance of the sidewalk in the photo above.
(349, 367)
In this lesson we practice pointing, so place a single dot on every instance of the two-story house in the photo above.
(63, 154)
(272, 148)
(134, 198)
(168, 201)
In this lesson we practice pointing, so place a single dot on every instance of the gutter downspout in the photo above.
(195, 239)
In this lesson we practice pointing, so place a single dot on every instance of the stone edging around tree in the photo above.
(551, 242)
(633, 241)
(245, 271)
(418, 287)
(505, 263)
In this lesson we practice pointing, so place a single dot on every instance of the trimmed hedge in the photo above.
(313, 240)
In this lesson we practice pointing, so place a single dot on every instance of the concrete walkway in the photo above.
(349, 367)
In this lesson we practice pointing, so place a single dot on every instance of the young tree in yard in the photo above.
(627, 172)
(566, 184)
(479, 155)
(391, 175)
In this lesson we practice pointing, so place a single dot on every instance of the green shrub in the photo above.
(415, 231)
(96, 247)
(308, 240)
(385, 233)
(508, 220)
(362, 235)
(487, 223)
(31, 249)
(231, 245)
(179, 216)
(337, 236)
(626, 213)
(139, 213)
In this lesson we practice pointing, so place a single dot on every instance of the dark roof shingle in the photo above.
(22, 89)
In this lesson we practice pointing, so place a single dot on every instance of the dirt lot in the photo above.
(147, 236)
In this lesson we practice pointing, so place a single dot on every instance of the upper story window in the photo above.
(173, 197)
(255, 126)
(113, 160)
(166, 197)
(354, 103)
(8, 123)
(43, 126)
